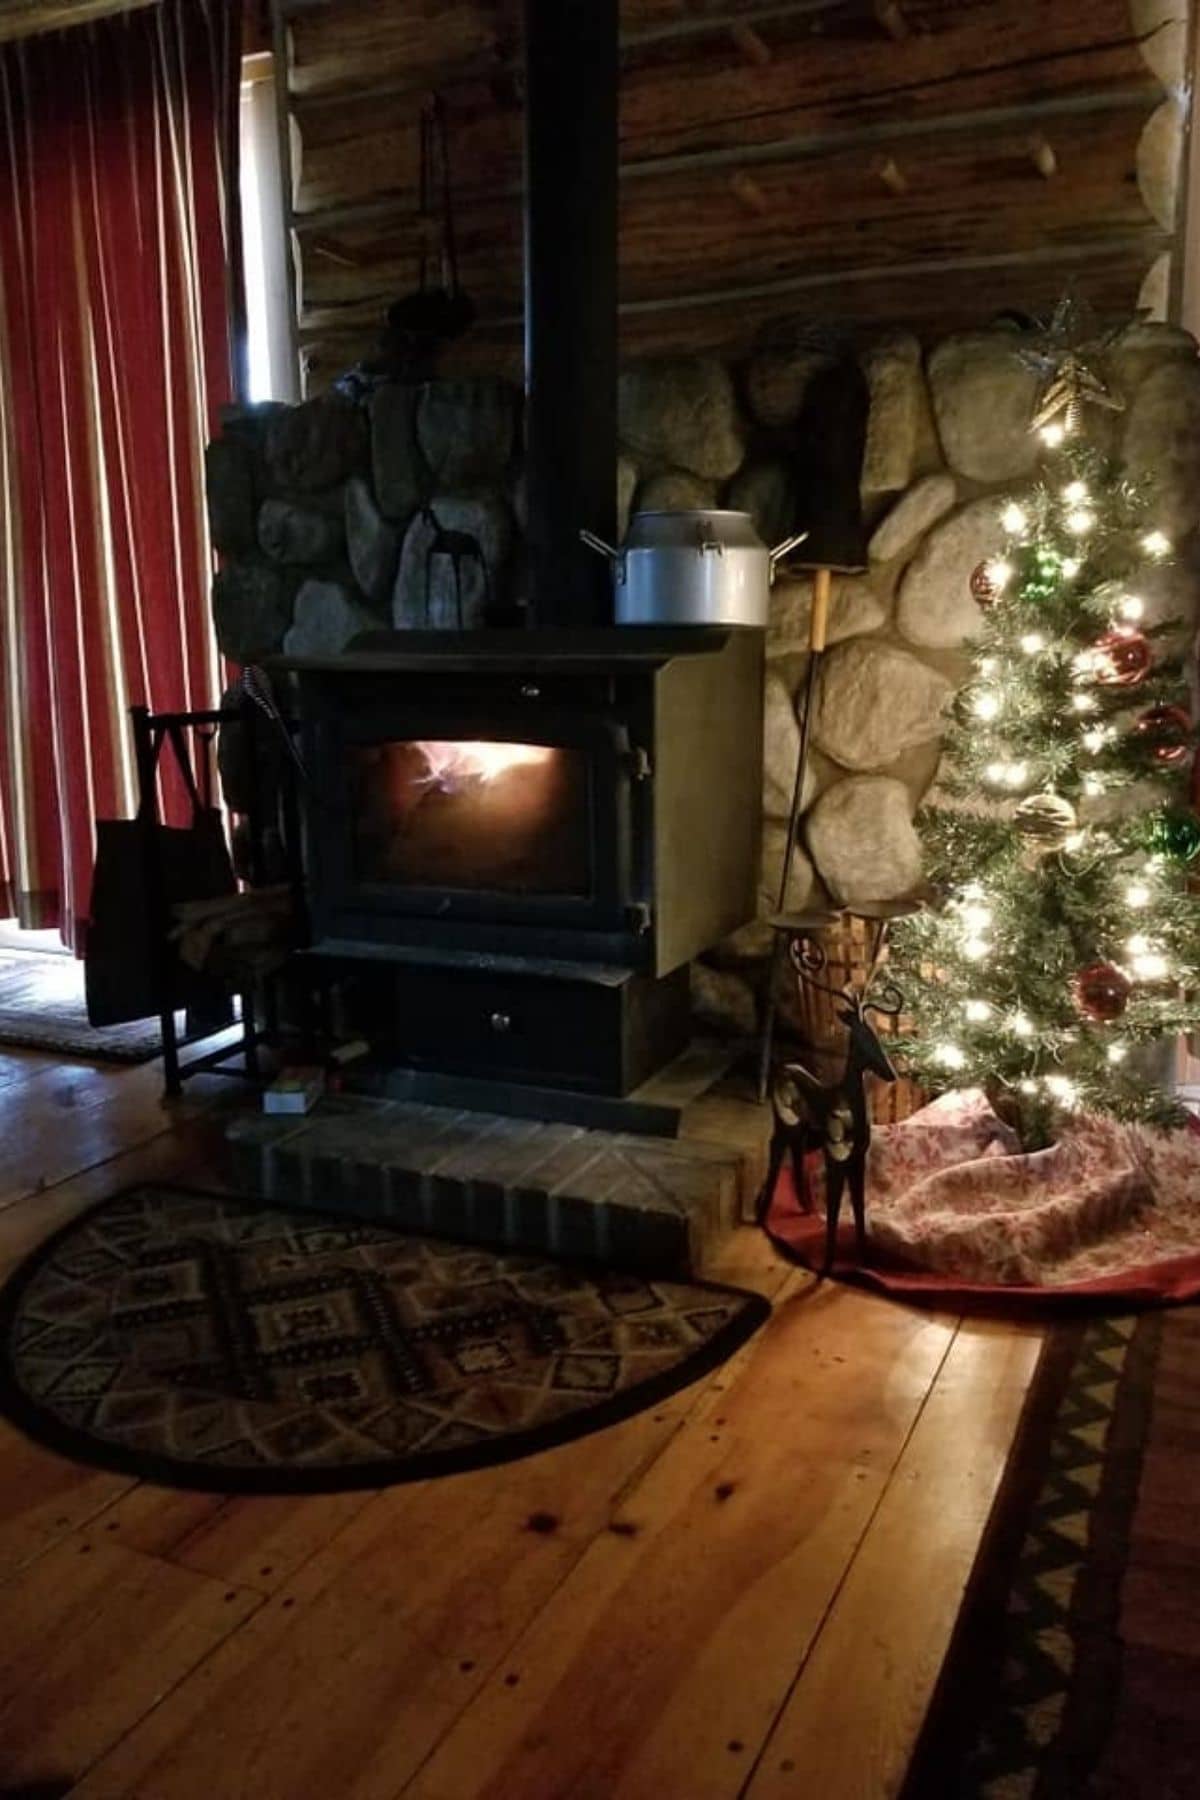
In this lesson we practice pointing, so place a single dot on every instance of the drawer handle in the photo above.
(501, 1021)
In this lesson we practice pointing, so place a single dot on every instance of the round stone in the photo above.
(874, 702)
(1162, 444)
(781, 751)
(681, 413)
(927, 501)
(779, 377)
(754, 940)
(861, 838)
(300, 535)
(1143, 347)
(935, 608)
(724, 1001)
(896, 380)
(314, 446)
(983, 400)
(229, 487)
(854, 608)
(252, 609)
(329, 615)
(675, 491)
(466, 430)
(400, 475)
(372, 541)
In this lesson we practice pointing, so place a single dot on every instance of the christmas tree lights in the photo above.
(1061, 933)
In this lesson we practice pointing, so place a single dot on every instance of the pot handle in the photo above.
(615, 557)
(780, 550)
(597, 543)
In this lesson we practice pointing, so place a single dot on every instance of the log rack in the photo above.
(150, 732)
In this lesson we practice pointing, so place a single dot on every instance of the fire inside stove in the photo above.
(453, 767)
(465, 814)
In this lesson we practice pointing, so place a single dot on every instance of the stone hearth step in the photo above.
(653, 1205)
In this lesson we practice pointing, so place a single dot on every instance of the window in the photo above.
(271, 361)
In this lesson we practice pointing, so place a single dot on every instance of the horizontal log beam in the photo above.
(29, 18)
(895, 298)
(692, 26)
(1137, 248)
(956, 197)
(1075, 256)
(802, 148)
(826, 85)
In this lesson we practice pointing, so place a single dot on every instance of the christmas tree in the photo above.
(1060, 935)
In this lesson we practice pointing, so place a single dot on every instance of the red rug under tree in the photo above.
(957, 1213)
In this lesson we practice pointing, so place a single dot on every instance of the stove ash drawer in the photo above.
(556, 1033)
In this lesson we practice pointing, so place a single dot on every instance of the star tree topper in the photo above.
(1063, 354)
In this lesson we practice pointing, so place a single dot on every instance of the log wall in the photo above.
(915, 162)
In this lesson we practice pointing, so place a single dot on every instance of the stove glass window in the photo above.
(498, 817)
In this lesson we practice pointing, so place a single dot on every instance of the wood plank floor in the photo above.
(747, 1591)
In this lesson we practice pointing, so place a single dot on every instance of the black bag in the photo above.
(131, 969)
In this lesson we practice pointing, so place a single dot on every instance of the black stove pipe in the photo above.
(571, 76)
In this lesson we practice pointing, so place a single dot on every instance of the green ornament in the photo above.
(1176, 834)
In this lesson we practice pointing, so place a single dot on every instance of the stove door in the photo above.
(433, 821)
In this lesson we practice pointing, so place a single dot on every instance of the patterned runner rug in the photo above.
(1075, 1669)
(211, 1342)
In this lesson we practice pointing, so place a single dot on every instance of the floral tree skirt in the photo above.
(954, 1209)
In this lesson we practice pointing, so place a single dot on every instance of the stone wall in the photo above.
(325, 515)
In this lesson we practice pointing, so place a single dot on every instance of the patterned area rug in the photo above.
(1074, 1671)
(210, 1342)
(42, 1008)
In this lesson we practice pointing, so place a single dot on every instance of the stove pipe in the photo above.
(571, 75)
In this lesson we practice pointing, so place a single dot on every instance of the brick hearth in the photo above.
(653, 1205)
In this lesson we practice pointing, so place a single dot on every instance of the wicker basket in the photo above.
(811, 1017)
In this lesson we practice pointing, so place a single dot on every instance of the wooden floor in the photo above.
(745, 1592)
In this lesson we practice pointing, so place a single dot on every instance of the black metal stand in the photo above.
(150, 732)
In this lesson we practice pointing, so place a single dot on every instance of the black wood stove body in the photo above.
(515, 842)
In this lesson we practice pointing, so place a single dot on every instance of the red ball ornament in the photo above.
(1101, 992)
(984, 590)
(1166, 731)
(1120, 659)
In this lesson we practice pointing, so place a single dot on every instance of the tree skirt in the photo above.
(217, 1343)
(955, 1211)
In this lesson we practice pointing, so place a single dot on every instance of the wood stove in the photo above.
(520, 840)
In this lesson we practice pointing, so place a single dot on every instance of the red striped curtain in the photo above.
(118, 210)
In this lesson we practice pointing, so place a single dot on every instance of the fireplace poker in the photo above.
(831, 435)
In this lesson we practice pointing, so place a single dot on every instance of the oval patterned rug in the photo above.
(210, 1342)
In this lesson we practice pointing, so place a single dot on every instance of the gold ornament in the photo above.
(1047, 820)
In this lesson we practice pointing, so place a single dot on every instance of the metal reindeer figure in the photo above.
(832, 1117)
(458, 547)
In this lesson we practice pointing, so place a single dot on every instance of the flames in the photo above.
(452, 766)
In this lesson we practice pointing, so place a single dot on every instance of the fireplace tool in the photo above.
(832, 433)
(439, 311)
(834, 1117)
